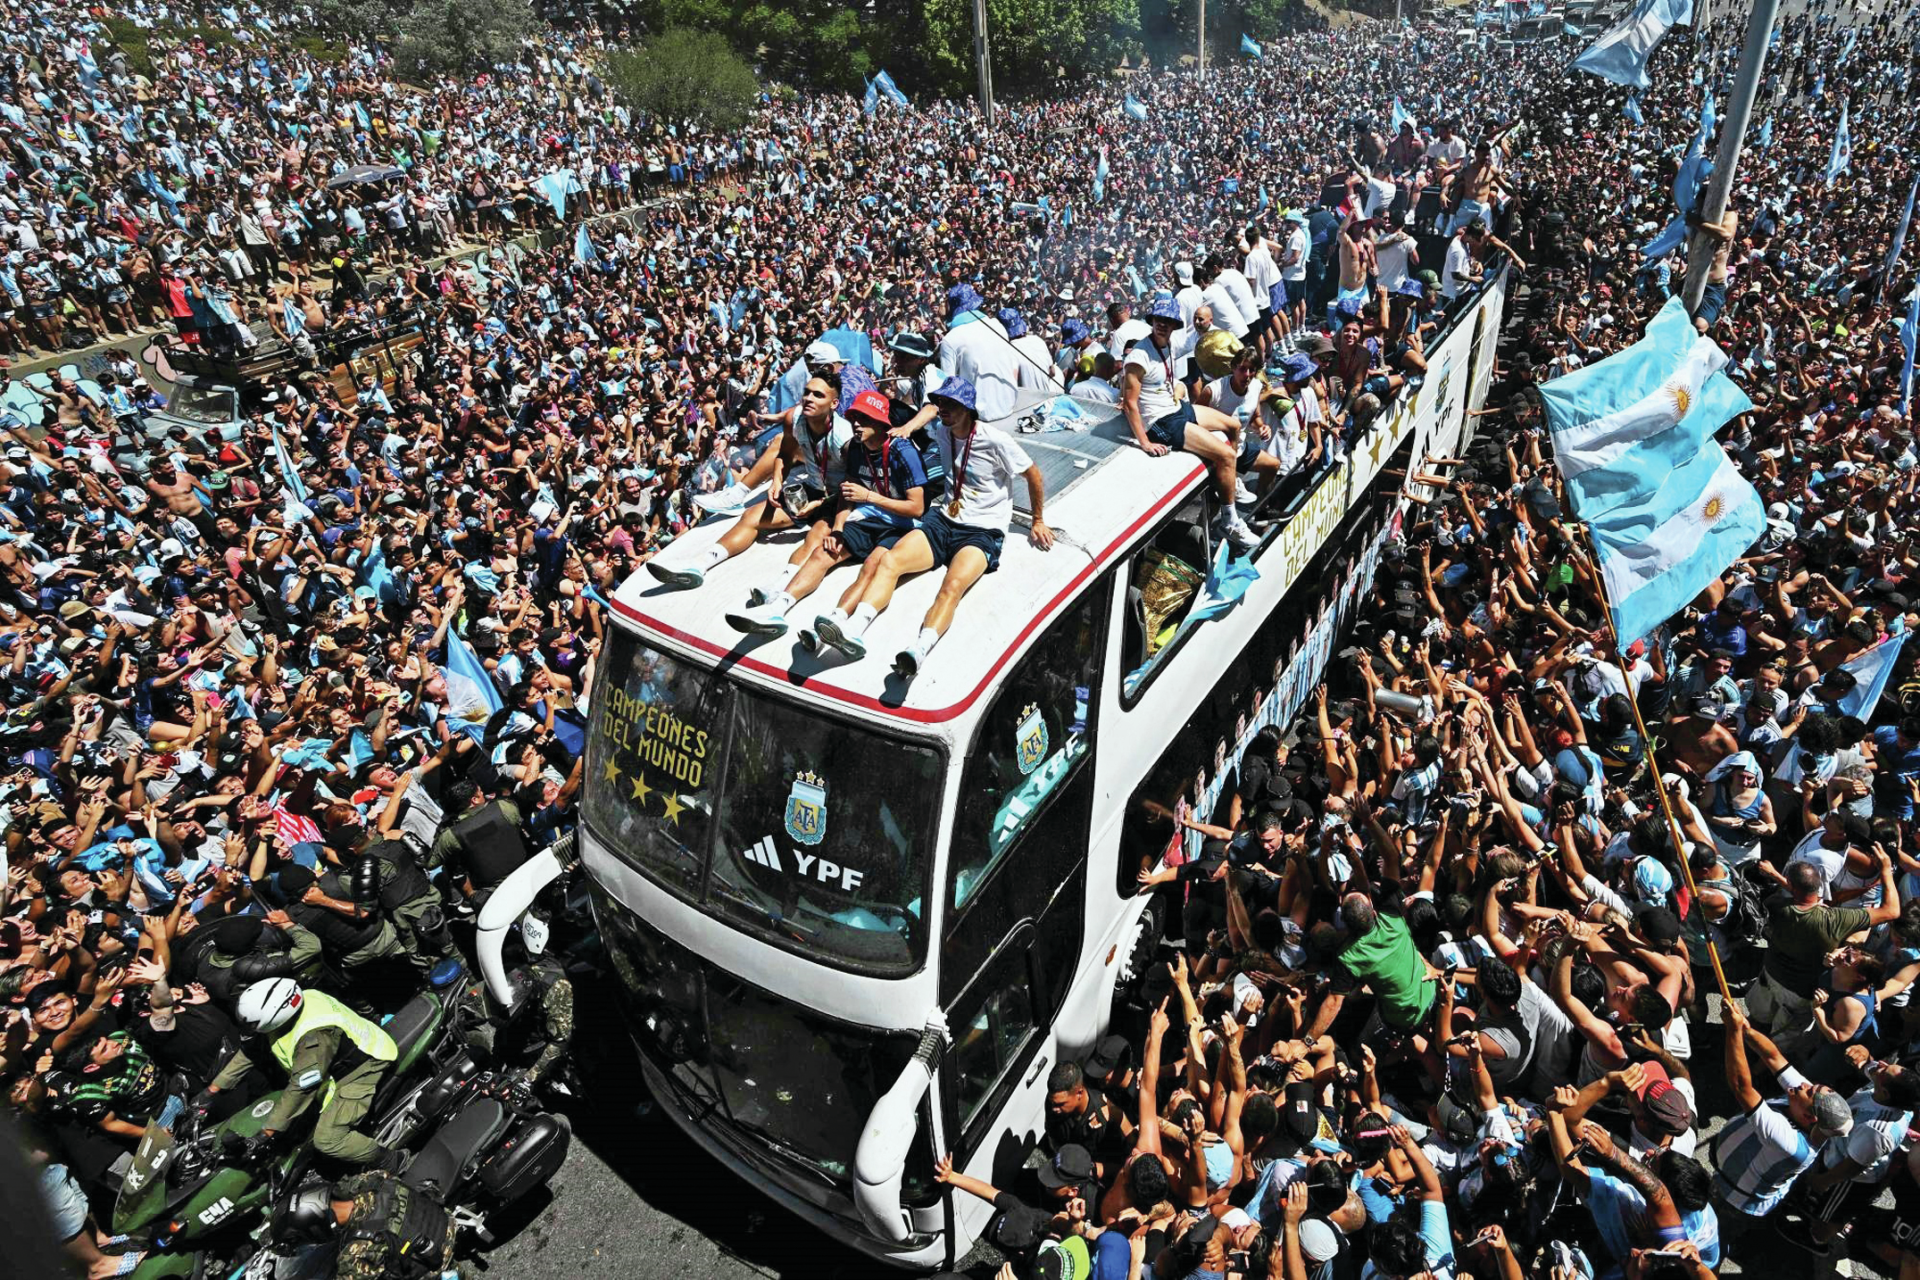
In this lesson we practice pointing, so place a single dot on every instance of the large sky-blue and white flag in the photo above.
(1842, 156)
(1870, 671)
(1621, 54)
(885, 84)
(1100, 170)
(1910, 339)
(1899, 237)
(1134, 107)
(1250, 46)
(1400, 115)
(1633, 434)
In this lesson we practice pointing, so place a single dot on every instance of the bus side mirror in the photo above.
(881, 1158)
(509, 902)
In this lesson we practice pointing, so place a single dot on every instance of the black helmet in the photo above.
(306, 1214)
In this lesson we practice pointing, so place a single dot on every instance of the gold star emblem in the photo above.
(674, 808)
(611, 771)
(640, 788)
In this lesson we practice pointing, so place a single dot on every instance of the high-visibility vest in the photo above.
(319, 1010)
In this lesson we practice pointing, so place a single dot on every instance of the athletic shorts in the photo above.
(1263, 323)
(1277, 297)
(1251, 447)
(863, 537)
(948, 538)
(1171, 430)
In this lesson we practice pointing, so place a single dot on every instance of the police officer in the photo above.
(248, 948)
(351, 936)
(315, 1039)
(384, 872)
(533, 1032)
(387, 1230)
(482, 844)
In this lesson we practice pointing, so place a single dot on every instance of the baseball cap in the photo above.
(1071, 1165)
(1666, 1106)
(1063, 1260)
(822, 352)
(872, 406)
(1183, 272)
(1318, 1240)
(1108, 1056)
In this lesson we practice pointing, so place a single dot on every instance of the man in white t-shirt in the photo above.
(1297, 249)
(1243, 395)
(1036, 367)
(1163, 419)
(977, 348)
(1264, 272)
(1226, 311)
(963, 535)
(1395, 254)
(1241, 290)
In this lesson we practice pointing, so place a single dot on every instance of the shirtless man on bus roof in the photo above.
(965, 534)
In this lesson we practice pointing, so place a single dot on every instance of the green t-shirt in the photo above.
(1799, 939)
(1385, 958)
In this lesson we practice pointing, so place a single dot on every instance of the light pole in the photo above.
(1203, 39)
(1701, 247)
(981, 56)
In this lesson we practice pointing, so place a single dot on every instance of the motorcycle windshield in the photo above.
(797, 1085)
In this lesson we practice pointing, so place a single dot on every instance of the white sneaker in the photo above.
(730, 501)
(830, 632)
(1241, 494)
(684, 578)
(906, 663)
(809, 640)
(1240, 536)
(761, 620)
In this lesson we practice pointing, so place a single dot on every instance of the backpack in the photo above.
(1746, 921)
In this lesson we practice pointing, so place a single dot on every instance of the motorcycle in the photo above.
(189, 1188)
(496, 1146)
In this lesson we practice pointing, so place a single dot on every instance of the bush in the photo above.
(685, 75)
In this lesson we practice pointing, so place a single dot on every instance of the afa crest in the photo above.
(807, 809)
(1030, 740)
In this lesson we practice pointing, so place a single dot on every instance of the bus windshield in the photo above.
(806, 830)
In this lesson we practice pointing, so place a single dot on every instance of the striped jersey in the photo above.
(1760, 1154)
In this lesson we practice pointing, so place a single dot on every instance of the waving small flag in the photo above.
(1899, 237)
(1250, 47)
(872, 99)
(1134, 107)
(1400, 116)
(1910, 339)
(888, 87)
(583, 250)
(1632, 110)
(1100, 177)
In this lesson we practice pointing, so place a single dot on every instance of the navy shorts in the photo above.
(1251, 446)
(948, 538)
(1264, 321)
(862, 538)
(1171, 430)
(1712, 302)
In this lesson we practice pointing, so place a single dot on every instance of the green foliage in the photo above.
(321, 49)
(1034, 43)
(685, 74)
(452, 36)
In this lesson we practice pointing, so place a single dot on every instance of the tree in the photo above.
(685, 75)
(448, 36)
(1034, 43)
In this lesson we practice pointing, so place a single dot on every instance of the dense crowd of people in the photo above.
(1441, 964)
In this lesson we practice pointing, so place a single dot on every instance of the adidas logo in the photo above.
(765, 854)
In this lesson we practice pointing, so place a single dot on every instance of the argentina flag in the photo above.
(1621, 54)
(1134, 108)
(1633, 435)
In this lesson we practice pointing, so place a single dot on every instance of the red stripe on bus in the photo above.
(933, 716)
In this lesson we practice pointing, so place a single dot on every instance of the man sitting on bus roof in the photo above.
(965, 536)
(1163, 419)
(881, 500)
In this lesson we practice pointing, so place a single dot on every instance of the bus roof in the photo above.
(1102, 494)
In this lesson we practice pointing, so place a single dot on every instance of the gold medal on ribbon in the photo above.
(953, 508)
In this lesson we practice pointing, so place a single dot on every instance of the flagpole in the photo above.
(1203, 39)
(1701, 247)
(980, 54)
(1653, 764)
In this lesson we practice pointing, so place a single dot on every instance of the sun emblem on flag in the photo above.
(1716, 506)
(1682, 398)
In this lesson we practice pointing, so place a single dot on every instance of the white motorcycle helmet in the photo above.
(269, 1005)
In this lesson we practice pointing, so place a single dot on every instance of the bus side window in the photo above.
(1163, 580)
(1038, 733)
(990, 1042)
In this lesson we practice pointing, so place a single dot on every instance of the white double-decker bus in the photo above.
(856, 920)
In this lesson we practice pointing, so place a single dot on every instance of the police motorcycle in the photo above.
(495, 1146)
(192, 1187)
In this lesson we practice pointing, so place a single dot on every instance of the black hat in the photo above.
(240, 934)
(1071, 1165)
(1113, 1053)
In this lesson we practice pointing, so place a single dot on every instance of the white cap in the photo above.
(171, 547)
(1318, 1240)
(1183, 272)
(824, 353)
